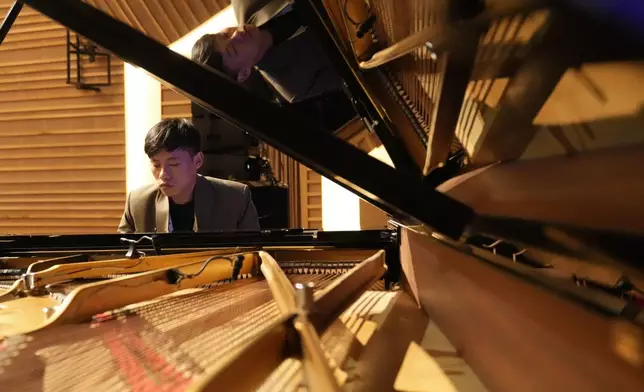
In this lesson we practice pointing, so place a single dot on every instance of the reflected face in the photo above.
(241, 48)
(176, 172)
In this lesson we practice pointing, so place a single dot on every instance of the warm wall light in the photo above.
(142, 111)
(381, 154)
(340, 207)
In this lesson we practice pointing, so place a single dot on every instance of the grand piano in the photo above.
(510, 262)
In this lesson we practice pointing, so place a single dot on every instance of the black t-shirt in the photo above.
(182, 216)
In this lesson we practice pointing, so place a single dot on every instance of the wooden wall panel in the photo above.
(164, 20)
(310, 198)
(174, 104)
(62, 150)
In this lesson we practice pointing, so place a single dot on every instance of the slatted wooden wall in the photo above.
(164, 20)
(62, 150)
(174, 104)
(310, 198)
(287, 171)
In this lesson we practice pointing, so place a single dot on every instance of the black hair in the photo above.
(171, 134)
(205, 51)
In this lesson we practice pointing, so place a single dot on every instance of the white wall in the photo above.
(340, 207)
(142, 111)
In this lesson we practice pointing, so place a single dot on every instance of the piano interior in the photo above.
(178, 337)
(510, 261)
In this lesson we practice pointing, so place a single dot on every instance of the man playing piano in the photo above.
(272, 49)
(181, 200)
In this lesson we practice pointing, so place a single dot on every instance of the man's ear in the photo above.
(243, 75)
(198, 160)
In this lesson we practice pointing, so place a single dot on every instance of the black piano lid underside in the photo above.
(398, 192)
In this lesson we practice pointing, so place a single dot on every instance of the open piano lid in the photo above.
(573, 35)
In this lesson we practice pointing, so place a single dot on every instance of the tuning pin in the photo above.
(304, 295)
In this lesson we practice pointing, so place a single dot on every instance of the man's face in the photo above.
(176, 171)
(241, 49)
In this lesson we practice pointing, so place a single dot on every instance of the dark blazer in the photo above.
(298, 68)
(220, 205)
